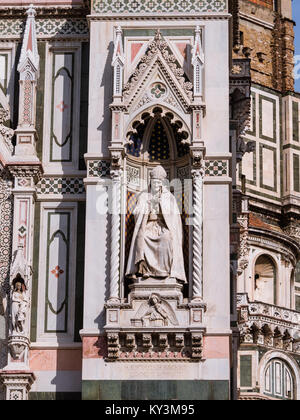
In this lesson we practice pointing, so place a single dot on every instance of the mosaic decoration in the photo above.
(6, 219)
(135, 145)
(6, 209)
(98, 168)
(159, 148)
(45, 27)
(61, 186)
(216, 168)
(182, 149)
(150, 6)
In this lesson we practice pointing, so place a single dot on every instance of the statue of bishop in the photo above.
(157, 245)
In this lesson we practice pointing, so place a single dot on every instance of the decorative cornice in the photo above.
(45, 12)
(26, 171)
(156, 6)
(161, 16)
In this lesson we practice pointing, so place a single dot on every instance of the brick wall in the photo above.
(264, 3)
(269, 45)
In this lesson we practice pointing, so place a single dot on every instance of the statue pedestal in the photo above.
(167, 288)
(155, 324)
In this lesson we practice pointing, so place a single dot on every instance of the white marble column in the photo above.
(116, 176)
(197, 292)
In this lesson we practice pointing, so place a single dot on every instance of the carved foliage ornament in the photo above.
(6, 132)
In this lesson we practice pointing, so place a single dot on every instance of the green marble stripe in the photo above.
(84, 103)
(291, 146)
(40, 100)
(35, 275)
(54, 396)
(246, 371)
(156, 390)
(79, 271)
(296, 172)
(164, 32)
(295, 121)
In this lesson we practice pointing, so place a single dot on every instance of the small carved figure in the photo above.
(19, 305)
(157, 309)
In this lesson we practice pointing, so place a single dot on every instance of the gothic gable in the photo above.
(159, 73)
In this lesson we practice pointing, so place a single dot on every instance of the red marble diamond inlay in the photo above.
(57, 271)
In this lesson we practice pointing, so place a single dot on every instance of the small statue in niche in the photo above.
(157, 244)
(156, 311)
(19, 305)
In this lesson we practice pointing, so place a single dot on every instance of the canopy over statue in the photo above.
(157, 243)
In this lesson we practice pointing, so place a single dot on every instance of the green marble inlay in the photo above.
(261, 135)
(35, 275)
(158, 6)
(253, 112)
(40, 100)
(80, 271)
(155, 390)
(296, 173)
(84, 103)
(261, 169)
(246, 371)
(54, 396)
(164, 32)
(295, 121)
(298, 303)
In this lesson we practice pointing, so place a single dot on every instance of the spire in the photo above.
(118, 62)
(118, 48)
(29, 53)
(198, 63)
(197, 50)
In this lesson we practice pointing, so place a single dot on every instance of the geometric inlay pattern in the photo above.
(61, 186)
(216, 168)
(98, 168)
(6, 208)
(150, 6)
(45, 27)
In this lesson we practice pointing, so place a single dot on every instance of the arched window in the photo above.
(265, 280)
(278, 380)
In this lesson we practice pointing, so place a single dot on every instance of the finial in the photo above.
(158, 36)
(31, 12)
